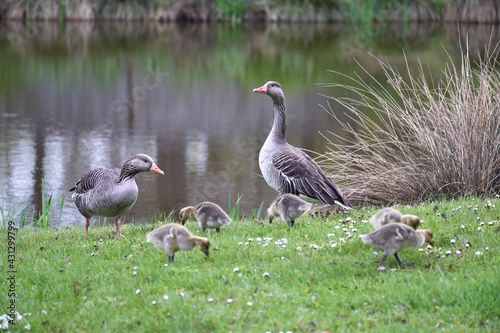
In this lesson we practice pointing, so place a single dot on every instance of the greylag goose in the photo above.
(288, 169)
(208, 215)
(111, 192)
(289, 207)
(391, 215)
(174, 237)
(394, 237)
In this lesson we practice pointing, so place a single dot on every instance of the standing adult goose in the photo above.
(111, 192)
(288, 169)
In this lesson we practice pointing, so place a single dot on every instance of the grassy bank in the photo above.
(261, 277)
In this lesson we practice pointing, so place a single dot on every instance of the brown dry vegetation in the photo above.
(431, 139)
(471, 11)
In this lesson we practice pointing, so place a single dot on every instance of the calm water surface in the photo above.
(79, 96)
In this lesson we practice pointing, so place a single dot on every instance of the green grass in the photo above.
(12, 213)
(68, 283)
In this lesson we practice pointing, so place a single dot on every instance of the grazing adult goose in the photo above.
(289, 207)
(111, 192)
(394, 237)
(208, 215)
(288, 169)
(391, 215)
(174, 237)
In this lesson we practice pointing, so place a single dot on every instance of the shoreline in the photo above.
(197, 11)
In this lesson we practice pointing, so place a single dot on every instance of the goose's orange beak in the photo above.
(154, 168)
(261, 90)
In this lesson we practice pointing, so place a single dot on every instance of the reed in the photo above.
(234, 210)
(255, 214)
(429, 140)
(12, 213)
(25, 215)
(44, 214)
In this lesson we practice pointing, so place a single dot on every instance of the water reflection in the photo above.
(196, 154)
(79, 96)
(476, 37)
(18, 156)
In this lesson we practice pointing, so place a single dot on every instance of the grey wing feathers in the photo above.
(403, 232)
(394, 232)
(302, 175)
(179, 232)
(202, 208)
(92, 178)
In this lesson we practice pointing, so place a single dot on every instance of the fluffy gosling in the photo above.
(289, 207)
(208, 215)
(395, 237)
(174, 237)
(411, 220)
(391, 215)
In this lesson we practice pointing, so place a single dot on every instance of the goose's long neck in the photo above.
(128, 172)
(278, 130)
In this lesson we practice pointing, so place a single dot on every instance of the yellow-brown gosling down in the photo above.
(391, 215)
(395, 237)
(174, 237)
(289, 207)
(208, 215)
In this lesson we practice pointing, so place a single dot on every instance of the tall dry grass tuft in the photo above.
(429, 139)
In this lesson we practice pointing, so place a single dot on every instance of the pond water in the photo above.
(77, 96)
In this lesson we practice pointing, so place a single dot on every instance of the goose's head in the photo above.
(411, 221)
(271, 211)
(428, 235)
(271, 88)
(202, 244)
(187, 213)
(142, 163)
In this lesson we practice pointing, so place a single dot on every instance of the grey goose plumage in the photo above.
(288, 207)
(391, 215)
(207, 214)
(394, 237)
(173, 237)
(111, 192)
(288, 169)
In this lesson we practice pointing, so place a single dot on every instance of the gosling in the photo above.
(174, 237)
(391, 215)
(395, 237)
(208, 215)
(289, 207)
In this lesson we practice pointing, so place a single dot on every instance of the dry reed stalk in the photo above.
(427, 141)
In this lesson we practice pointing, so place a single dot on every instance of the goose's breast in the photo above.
(120, 199)
(271, 174)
